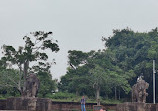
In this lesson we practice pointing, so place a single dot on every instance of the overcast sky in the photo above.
(76, 24)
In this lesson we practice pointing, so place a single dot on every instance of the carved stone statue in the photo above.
(31, 85)
(139, 91)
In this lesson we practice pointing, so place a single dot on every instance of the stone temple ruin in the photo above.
(139, 93)
(29, 101)
(32, 86)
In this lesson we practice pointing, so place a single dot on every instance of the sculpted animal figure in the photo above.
(139, 93)
(31, 85)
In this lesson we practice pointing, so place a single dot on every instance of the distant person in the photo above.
(83, 102)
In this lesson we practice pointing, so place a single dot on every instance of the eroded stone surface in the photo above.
(31, 86)
(31, 104)
(135, 106)
(139, 93)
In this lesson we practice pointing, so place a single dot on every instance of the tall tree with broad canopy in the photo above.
(135, 51)
(126, 56)
(93, 72)
(33, 52)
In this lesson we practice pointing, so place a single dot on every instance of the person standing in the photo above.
(83, 102)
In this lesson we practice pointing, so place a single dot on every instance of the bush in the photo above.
(2, 97)
(61, 95)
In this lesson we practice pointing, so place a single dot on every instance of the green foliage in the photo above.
(32, 52)
(8, 83)
(47, 85)
(8, 78)
(134, 53)
(76, 81)
(128, 54)
(114, 70)
(95, 71)
(61, 95)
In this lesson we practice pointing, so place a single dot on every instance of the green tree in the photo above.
(94, 70)
(98, 79)
(47, 85)
(8, 82)
(33, 51)
(126, 56)
(76, 79)
(134, 52)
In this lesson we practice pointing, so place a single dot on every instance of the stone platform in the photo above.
(22, 105)
(134, 106)
(32, 104)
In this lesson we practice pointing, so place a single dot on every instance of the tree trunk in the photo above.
(19, 83)
(107, 97)
(26, 66)
(98, 95)
(77, 93)
(119, 94)
(115, 93)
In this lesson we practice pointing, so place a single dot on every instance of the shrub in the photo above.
(61, 95)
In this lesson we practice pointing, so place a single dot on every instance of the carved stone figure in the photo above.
(32, 103)
(139, 93)
(31, 85)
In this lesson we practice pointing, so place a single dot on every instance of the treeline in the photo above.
(110, 73)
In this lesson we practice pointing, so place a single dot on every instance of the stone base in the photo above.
(134, 106)
(31, 104)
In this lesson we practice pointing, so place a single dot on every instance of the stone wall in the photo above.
(134, 106)
(47, 105)
(39, 104)
(2, 104)
(68, 106)
(71, 106)
(109, 106)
